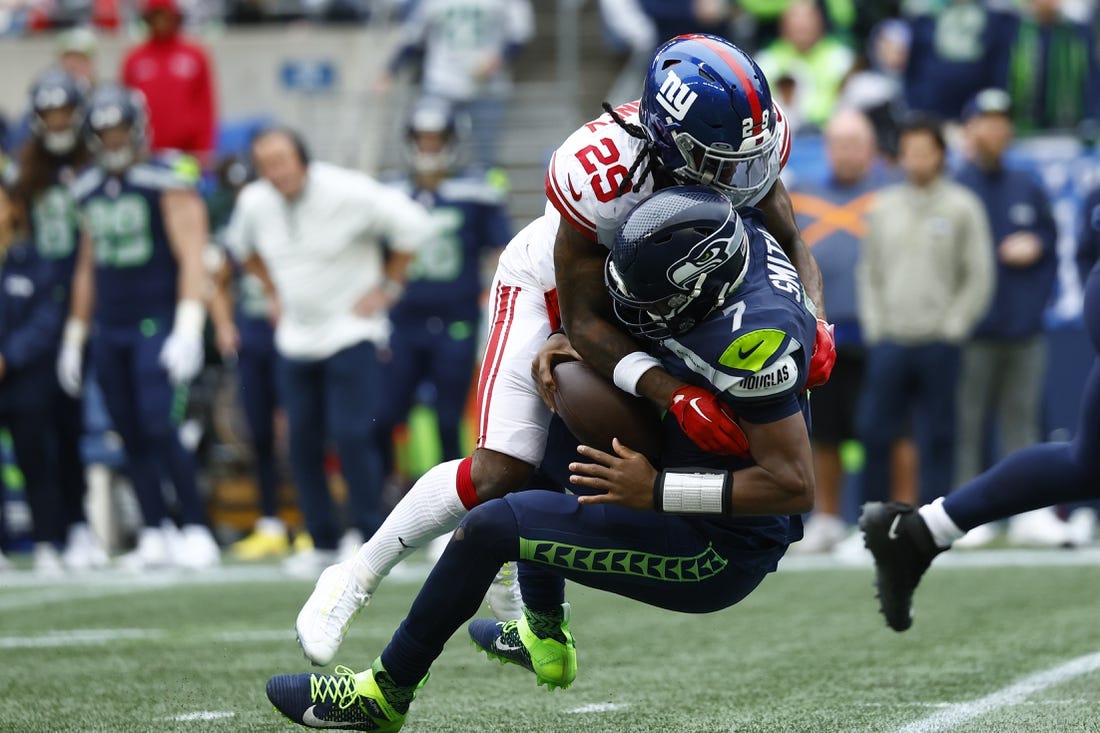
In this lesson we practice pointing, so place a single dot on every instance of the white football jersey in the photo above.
(582, 184)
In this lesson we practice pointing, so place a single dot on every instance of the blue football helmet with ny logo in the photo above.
(677, 256)
(708, 109)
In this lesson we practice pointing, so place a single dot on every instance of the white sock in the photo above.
(431, 508)
(944, 530)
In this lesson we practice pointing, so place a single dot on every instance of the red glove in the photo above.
(708, 422)
(824, 356)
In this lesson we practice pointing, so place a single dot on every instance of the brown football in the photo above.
(595, 411)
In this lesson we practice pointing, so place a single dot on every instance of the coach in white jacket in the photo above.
(317, 235)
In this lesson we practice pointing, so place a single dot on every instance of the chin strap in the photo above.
(648, 154)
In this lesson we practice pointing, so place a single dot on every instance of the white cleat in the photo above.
(327, 614)
(47, 561)
(151, 551)
(196, 549)
(821, 534)
(83, 551)
(503, 596)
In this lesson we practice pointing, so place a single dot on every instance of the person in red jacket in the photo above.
(175, 76)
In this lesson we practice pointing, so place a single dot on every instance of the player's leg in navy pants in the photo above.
(936, 371)
(882, 413)
(352, 395)
(1049, 473)
(112, 352)
(662, 560)
(405, 370)
(33, 441)
(259, 399)
(452, 371)
(161, 409)
(302, 385)
(68, 422)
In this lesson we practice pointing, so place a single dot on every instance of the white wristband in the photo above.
(75, 333)
(190, 317)
(693, 491)
(631, 368)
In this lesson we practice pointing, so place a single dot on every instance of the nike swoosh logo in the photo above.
(893, 533)
(746, 354)
(407, 547)
(308, 718)
(572, 191)
(505, 647)
(695, 407)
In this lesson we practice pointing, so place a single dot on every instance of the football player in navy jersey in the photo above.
(139, 283)
(48, 164)
(723, 309)
(436, 321)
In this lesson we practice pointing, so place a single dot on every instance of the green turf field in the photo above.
(995, 648)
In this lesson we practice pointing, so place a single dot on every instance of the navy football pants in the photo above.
(666, 561)
(421, 354)
(256, 384)
(335, 398)
(145, 409)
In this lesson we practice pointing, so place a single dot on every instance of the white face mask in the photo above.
(430, 163)
(116, 160)
(59, 143)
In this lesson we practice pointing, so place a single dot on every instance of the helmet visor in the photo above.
(741, 175)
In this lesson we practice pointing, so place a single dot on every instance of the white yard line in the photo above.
(1008, 558)
(201, 715)
(76, 637)
(598, 707)
(1014, 694)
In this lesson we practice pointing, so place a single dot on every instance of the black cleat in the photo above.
(903, 549)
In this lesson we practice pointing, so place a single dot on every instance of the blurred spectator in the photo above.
(178, 83)
(436, 321)
(1003, 364)
(875, 84)
(956, 52)
(816, 64)
(831, 217)
(76, 54)
(48, 165)
(311, 232)
(1088, 234)
(30, 325)
(1052, 74)
(642, 25)
(925, 279)
(245, 336)
(465, 48)
(139, 280)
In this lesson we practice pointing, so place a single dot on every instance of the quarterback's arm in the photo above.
(588, 318)
(780, 222)
(781, 482)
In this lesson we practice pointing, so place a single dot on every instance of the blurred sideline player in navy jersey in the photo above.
(436, 321)
(31, 315)
(723, 308)
(48, 164)
(244, 332)
(139, 286)
(706, 115)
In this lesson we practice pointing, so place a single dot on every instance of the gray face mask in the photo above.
(59, 143)
(116, 160)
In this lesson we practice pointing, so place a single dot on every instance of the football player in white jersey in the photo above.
(706, 116)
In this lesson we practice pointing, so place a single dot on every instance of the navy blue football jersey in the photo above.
(445, 278)
(135, 269)
(55, 227)
(754, 353)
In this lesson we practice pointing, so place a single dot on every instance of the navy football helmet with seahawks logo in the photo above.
(676, 257)
(708, 110)
(55, 90)
(113, 105)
